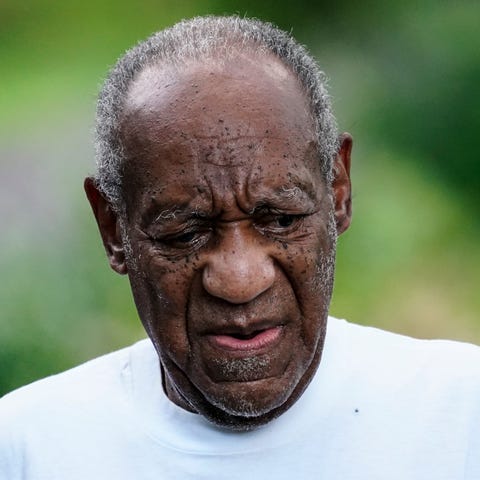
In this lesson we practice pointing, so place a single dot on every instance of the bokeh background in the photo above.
(404, 76)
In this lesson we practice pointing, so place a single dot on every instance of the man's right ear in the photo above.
(109, 226)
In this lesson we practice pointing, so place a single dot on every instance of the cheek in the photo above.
(167, 281)
(301, 265)
(303, 260)
(309, 270)
(161, 293)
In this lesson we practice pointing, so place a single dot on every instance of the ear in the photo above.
(108, 224)
(342, 188)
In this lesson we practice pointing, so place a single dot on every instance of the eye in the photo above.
(280, 224)
(285, 221)
(184, 238)
(181, 242)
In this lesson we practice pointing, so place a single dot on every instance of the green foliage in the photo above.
(403, 78)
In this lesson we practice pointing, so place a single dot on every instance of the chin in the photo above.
(248, 405)
(247, 401)
(234, 419)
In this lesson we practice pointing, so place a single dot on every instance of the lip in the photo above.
(239, 342)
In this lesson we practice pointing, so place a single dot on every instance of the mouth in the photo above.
(242, 342)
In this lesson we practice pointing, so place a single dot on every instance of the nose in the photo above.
(239, 269)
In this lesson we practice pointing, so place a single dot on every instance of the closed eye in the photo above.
(186, 237)
(184, 240)
(181, 242)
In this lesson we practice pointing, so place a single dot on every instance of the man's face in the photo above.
(230, 229)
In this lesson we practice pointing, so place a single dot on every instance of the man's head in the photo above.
(220, 191)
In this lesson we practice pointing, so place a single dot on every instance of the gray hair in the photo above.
(198, 39)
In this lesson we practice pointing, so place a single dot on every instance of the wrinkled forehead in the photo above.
(198, 96)
(185, 124)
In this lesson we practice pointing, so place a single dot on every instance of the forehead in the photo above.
(227, 118)
(259, 72)
(199, 94)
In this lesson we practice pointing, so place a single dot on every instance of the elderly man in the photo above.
(221, 188)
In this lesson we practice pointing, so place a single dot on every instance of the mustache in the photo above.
(218, 316)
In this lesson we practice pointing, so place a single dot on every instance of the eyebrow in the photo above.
(297, 191)
(169, 213)
(175, 211)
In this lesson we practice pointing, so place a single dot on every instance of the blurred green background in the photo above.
(404, 77)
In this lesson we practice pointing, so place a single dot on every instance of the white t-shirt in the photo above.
(381, 406)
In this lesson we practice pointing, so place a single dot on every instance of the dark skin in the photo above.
(229, 221)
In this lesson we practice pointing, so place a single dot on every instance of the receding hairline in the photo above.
(197, 38)
(233, 50)
(162, 75)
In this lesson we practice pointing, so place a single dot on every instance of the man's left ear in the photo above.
(341, 186)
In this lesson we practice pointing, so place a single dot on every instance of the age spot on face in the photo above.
(230, 237)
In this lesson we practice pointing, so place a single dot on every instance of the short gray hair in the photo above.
(197, 39)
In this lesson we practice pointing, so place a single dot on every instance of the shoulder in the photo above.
(387, 357)
(60, 415)
(93, 381)
(364, 337)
